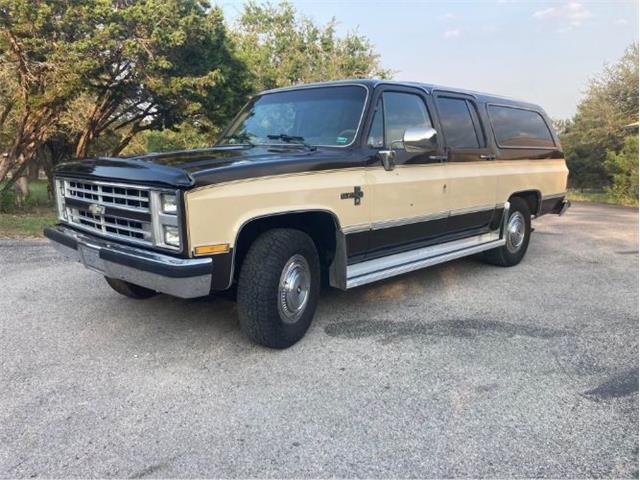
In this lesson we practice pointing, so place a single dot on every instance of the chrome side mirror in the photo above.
(420, 139)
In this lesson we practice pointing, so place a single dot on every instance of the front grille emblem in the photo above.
(97, 209)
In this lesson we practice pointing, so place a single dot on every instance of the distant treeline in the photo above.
(601, 140)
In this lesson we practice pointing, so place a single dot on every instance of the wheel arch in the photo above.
(320, 224)
(533, 198)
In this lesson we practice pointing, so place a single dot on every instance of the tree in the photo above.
(102, 69)
(623, 168)
(41, 53)
(610, 103)
(283, 48)
(159, 63)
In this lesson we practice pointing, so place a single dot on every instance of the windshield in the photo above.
(327, 116)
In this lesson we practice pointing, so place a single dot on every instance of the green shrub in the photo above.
(7, 201)
(623, 168)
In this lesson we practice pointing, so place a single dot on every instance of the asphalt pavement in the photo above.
(460, 370)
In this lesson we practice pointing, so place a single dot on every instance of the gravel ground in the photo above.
(460, 370)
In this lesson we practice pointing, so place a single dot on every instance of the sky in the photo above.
(540, 51)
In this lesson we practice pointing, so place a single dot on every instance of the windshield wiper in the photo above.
(291, 140)
(242, 138)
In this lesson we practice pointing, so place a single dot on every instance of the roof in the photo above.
(427, 87)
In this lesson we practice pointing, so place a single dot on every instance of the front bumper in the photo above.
(180, 277)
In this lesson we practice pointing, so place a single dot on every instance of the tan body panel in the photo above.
(217, 213)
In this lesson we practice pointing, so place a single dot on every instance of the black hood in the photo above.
(193, 168)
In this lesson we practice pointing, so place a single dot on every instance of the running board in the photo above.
(392, 265)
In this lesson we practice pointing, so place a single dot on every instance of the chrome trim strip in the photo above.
(465, 211)
(382, 224)
(409, 220)
(392, 265)
(88, 253)
(363, 227)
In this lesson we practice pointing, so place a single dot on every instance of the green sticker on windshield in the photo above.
(342, 140)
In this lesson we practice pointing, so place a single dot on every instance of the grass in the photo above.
(31, 218)
(20, 225)
(597, 197)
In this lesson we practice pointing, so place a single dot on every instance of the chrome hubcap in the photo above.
(516, 228)
(293, 289)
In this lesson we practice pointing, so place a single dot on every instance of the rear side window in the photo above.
(457, 123)
(515, 127)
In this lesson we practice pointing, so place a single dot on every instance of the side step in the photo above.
(385, 267)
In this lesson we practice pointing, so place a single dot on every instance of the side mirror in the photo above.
(420, 139)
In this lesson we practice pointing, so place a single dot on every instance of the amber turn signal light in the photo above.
(212, 249)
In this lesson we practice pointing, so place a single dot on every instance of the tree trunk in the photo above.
(22, 190)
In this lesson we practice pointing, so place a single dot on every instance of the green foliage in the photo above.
(610, 103)
(283, 48)
(99, 77)
(623, 168)
(38, 199)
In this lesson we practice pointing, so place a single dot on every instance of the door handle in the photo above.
(487, 157)
(438, 158)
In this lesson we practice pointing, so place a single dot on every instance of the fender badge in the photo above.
(357, 194)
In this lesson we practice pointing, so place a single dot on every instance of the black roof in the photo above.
(427, 87)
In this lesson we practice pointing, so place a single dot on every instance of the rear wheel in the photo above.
(278, 288)
(517, 233)
(129, 289)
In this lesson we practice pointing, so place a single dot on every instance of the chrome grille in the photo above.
(111, 225)
(116, 211)
(124, 197)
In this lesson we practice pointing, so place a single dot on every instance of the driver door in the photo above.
(410, 206)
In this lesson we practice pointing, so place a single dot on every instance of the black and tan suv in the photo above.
(345, 182)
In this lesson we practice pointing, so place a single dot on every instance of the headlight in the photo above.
(62, 209)
(171, 236)
(169, 203)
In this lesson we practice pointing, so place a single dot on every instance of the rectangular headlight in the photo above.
(62, 209)
(171, 235)
(169, 203)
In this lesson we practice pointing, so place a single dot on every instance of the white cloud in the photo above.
(622, 21)
(453, 33)
(571, 14)
(446, 16)
(547, 12)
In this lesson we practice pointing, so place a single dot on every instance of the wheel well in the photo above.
(532, 197)
(320, 226)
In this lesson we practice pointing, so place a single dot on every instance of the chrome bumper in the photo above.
(180, 277)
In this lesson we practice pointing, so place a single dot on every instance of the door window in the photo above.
(457, 123)
(402, 111)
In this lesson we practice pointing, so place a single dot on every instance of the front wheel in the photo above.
(278, 288)
(517, 233)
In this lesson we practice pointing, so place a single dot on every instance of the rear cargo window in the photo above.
(515, 127)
